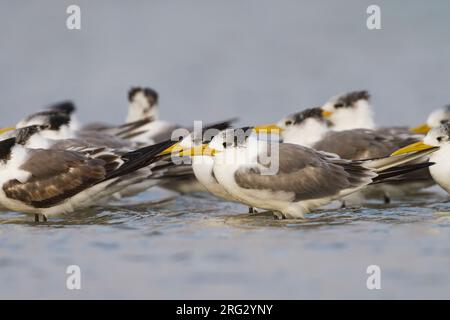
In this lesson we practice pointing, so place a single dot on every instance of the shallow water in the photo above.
(199, 247)
(213, 60)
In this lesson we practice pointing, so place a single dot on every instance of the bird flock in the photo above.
(51, 164)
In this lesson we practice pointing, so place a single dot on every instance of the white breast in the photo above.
(441, 170)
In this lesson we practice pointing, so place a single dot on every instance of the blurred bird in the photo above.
(310, 128)
(142, 123)
(46, 182)
(353, 110)
(143, 126)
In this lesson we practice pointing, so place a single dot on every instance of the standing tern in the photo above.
(45, 182)
(305, 179)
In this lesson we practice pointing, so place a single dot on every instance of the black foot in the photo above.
(251, 210)
(343, 206)
(387, 200)
(278, 216)
(37, 217)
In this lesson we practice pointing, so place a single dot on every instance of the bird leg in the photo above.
(278, 215)
(37, 217)
(387, 199)
(252, 210)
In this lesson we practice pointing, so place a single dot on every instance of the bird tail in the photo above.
(396, 173)
(381, 164)
(140, 158)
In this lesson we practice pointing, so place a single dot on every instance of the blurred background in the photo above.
(259, 59)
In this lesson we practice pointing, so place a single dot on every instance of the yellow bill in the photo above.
(327, 114)
(418, 146)
(422, 129)
(265, 128)
(4, 130)
(200, 150)
(175, 148)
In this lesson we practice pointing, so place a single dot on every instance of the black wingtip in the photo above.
(386, 175)
(140, 158)
(220, 125)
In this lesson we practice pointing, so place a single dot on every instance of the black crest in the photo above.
(307, 114)
(64, 107)
(347, 100)
(55, 121)
(5, 148)
(151, 95)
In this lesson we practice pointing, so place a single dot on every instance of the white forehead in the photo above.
(141, 99)
(35, 120)
(435, 118)
(443, 130)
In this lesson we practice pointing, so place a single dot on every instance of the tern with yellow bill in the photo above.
(435, 119)
(353, 110)
(439, 138)
(296, 179)
(310, 128)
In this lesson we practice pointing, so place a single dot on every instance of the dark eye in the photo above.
(224, 145)
(339, 105)
(444, 121)
(288, 123)
(439, 139)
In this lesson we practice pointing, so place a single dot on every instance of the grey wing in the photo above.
(97, 126)
(166, 134)
(394, 131)
(104, 139)
(306, 174)
(359, 144)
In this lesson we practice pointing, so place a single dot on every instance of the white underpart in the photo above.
(64, 132)
(11, 170)
(277, 201)
(305, 134)
(440, 171)
(37, 141)
(360, 116)
(140, 108)
(203, 170)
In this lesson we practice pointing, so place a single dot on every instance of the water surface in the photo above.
(200, 247)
